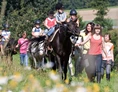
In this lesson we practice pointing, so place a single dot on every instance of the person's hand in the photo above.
(77, 44)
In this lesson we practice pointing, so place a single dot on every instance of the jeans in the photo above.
(95, 63)
(51, 31)
(107, 66)
(24, 59)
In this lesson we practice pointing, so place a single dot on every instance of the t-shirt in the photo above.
(87, 44)
(5, 34)
(50, 22)
(23, 45)
(60, 16)
(36, 31)
(109, 48)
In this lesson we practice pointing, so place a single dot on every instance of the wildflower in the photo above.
(81, 89)
(106, 89)
(17, 77)
(13, 84)
(54, 76)
(96, 87)
(3, 80)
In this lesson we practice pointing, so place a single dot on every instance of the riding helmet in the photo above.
(51, 12)
(37, 22)
(73, 12)
(59, 6)
(5, 25)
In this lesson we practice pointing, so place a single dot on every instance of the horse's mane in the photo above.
(41, 38)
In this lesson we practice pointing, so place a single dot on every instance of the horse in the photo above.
(76, 55)
(10, 50)
(62, 46)
(36, 52)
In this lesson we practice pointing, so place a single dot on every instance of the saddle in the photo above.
(50, 39)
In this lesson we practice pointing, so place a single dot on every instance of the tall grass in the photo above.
(21, 80)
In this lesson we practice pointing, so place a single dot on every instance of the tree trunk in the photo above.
(2, 13)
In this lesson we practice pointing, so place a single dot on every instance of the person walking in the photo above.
(109, 60)
(95, 53)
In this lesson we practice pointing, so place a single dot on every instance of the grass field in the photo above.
(15, 78)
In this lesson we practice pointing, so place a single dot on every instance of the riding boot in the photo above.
(98, 77)
(108, 77)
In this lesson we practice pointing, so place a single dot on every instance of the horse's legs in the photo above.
(59, 65)
(70, 65)
(65, 63)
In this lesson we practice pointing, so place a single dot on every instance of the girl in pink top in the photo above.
(23, 44)
(95, 53)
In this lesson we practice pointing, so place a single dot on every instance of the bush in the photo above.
(107, 24)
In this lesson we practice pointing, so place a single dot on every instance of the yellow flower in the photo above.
(13, 84)
(1, 68)
(67, 81)
(96, 87)
(86, 80)
(106, 89)
(89, 89)
(48, 82)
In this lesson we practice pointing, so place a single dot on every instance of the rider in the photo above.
(5, 37)
(73, 17)
(60, 17)
(50, 22)
(37, 31)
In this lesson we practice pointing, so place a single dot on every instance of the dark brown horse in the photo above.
(62, 46)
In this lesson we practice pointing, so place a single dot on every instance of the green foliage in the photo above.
(22, 18)
(114, 37)
(102, 10)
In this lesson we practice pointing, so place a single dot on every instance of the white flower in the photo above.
(48, 65)
(3, 80)
(81, 89)
(9, 91)
(0, 88)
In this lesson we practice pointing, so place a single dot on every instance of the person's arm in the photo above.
(18, 44)
(85, 41)
(77, 23)
(111, 49)
(103, 47)
(65, 17)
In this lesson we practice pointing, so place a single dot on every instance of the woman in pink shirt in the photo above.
(23, 44)
(95, 53)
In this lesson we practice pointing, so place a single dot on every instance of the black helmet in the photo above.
(51, 12)
(73, 12)
(5, 25)
(37, 22)
(59, 6)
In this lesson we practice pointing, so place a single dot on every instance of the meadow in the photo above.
(16, 78)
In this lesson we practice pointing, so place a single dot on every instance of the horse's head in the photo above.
(10, 47)
(72, 28)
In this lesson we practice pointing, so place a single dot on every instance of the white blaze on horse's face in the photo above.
(41, 49)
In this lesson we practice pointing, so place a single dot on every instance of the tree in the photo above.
(3, 8)
(102, 10)
(22, 17)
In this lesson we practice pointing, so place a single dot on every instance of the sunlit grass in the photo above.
(17, 79)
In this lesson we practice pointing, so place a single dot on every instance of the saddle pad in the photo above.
(52, 37)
